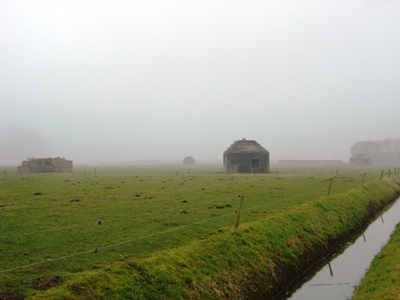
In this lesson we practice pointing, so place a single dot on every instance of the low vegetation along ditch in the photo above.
(164, 234)
(382, 280)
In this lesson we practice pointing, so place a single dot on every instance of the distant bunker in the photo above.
(246, 156)
(188, 160)
(44, 165)
(361, 159)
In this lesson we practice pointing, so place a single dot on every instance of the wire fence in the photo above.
(320, 192)
(153, 234)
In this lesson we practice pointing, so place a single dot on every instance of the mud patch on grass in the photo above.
(44, 283)
(11, 295)
(279, 188)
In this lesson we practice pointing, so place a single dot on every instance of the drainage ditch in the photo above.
(337, 276)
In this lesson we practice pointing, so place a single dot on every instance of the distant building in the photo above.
(246, 156)
(188, 160)
(361, 159)
(43, 165)
(310, 162)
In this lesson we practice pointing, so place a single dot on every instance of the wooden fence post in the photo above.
(381, 175)
(330, 185)
(238, 213)
(362, 184)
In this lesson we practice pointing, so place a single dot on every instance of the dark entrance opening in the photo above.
(255, 163)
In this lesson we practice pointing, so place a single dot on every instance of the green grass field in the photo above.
(382, 280)
(49, 223)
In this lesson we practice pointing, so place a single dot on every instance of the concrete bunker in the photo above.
(246, 156)
(44, 165)
(361, 159)
(189, 160)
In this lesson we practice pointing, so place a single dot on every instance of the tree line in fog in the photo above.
(381, 151)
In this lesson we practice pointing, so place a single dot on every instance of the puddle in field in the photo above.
(338, 277)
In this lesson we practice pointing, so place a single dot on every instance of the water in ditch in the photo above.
(337, 279)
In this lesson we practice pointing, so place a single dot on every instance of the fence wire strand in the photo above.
(154, 234)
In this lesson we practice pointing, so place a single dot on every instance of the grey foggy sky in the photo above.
(98, 81)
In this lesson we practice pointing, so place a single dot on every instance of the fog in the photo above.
(123, 81)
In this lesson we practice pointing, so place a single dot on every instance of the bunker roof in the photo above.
(246, 146)
(47, 158)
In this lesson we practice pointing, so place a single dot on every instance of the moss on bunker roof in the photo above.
(246, 146)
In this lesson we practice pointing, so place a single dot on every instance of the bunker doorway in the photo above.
(255, 163)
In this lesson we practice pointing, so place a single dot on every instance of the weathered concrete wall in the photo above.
(246, 162)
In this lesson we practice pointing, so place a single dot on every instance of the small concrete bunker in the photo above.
(44, 165)
(246, 156)
(189, 160)
(361, 159)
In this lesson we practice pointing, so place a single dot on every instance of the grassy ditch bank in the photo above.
(254, 261)
(382, 280)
